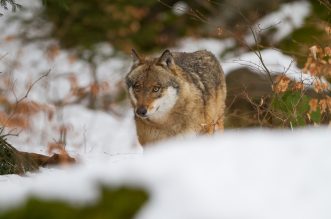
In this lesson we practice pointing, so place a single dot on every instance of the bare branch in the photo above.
(31, 85)
(17, 103)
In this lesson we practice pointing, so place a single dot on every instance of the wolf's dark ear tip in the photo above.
(166, 58)
(165, 55)
(135, 57)
(134, 53)
(167, 52)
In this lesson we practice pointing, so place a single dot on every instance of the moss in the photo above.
(13, 162)
(122, 203)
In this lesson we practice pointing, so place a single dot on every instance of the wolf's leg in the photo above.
(221, 95)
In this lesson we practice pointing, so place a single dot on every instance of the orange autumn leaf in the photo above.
(313, 104)
(320, 86)
(281, 84)
(9, 38)
(328, 103)
(298, 86)
(323, 105)
(53, 51)
(95, 89)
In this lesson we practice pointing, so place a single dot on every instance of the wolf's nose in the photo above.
(141, 111)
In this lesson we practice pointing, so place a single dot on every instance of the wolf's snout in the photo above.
(141, 111)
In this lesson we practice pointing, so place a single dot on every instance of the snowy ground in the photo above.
(251, 174)
(240, 174)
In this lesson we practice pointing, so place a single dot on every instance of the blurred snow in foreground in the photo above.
(246, 174)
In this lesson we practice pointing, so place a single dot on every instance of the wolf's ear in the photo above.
(166, 59)
(135, 57)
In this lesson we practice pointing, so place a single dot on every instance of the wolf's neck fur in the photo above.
(179, 120)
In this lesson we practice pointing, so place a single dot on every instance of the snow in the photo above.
(289, 17)
(275, 62)
(239, 174)
(213, 45)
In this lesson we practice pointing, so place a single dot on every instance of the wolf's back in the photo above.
(203, 69)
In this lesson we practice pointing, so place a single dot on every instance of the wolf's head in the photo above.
(152, 85)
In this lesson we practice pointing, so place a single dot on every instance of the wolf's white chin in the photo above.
(163, 105)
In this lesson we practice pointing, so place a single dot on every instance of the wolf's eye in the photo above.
(156, 89)
(136, 87)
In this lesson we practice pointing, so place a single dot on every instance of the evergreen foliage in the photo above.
(144, 24)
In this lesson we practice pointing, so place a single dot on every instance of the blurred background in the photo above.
(66, 59)
(100, 34)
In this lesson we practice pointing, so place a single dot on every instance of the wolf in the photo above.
(175, 94)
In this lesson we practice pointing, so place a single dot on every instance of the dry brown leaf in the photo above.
(72, 58)
(73, 82)
(298, 86)
(313, 104)
(323, 105)
(16, 121)
(281, 84)
(327, 51)
(95, 88)
(328, 103)
(53, 51)
(320, 86)
(62, 157)
(9, 38)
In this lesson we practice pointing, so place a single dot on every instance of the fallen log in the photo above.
(13, 161)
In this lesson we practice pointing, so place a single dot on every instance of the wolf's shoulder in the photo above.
(202, 67)
(201, 62)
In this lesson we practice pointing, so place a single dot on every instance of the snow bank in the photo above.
(275, 62)
(215, 46)
(289, 17)
(243, 174)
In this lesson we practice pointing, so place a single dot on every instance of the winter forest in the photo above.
(107, 110)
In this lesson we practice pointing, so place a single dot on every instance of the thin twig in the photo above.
(31, 85)
(18, 101)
